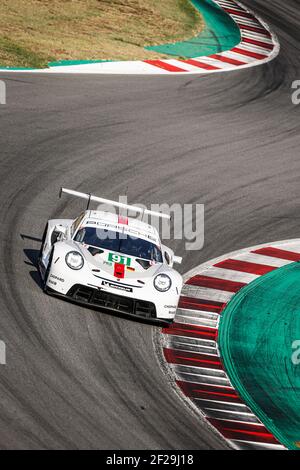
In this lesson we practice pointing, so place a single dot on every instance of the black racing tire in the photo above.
(45, 289)
(39, 259)
(166, 323)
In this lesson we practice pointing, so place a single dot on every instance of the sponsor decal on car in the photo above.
(116, 286)
(60, 279)
(107, 263)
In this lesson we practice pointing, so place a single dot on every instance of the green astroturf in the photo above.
(258, 335)
(220, 34)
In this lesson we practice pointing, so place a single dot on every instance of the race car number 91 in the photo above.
(119, 259)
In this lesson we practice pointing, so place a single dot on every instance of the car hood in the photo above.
(117, 265)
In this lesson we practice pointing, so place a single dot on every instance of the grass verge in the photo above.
(35, 32)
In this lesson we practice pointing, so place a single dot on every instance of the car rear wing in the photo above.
(92, 198)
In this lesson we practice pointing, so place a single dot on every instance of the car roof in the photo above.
(117, 222)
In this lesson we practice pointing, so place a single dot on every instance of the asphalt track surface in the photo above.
(77, 378)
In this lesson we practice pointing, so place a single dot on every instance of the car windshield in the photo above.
(121, 243)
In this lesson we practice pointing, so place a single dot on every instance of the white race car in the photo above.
(110, 261)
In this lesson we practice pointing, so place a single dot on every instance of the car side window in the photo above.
(76, 223)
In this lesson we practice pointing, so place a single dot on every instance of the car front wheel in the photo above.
(45, 289)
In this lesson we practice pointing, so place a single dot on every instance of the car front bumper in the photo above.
(88, 289)
(112, 301)
(94, 298)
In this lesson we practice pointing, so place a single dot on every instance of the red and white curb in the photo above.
(258, 45)
(190, 345)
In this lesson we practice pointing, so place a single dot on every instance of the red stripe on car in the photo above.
(122, 220)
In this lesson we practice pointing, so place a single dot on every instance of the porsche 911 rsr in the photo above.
(110, 261)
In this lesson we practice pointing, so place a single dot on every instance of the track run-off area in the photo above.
(250, 42)
(77, 378)
(230, 349)
(259, 341)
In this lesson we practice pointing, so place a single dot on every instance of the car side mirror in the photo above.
(167, 258)
(59, 231)
(177, 259)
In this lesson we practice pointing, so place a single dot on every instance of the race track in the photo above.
(77, 378)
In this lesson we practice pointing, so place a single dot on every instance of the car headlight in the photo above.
(162, 282)
(74, 260)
